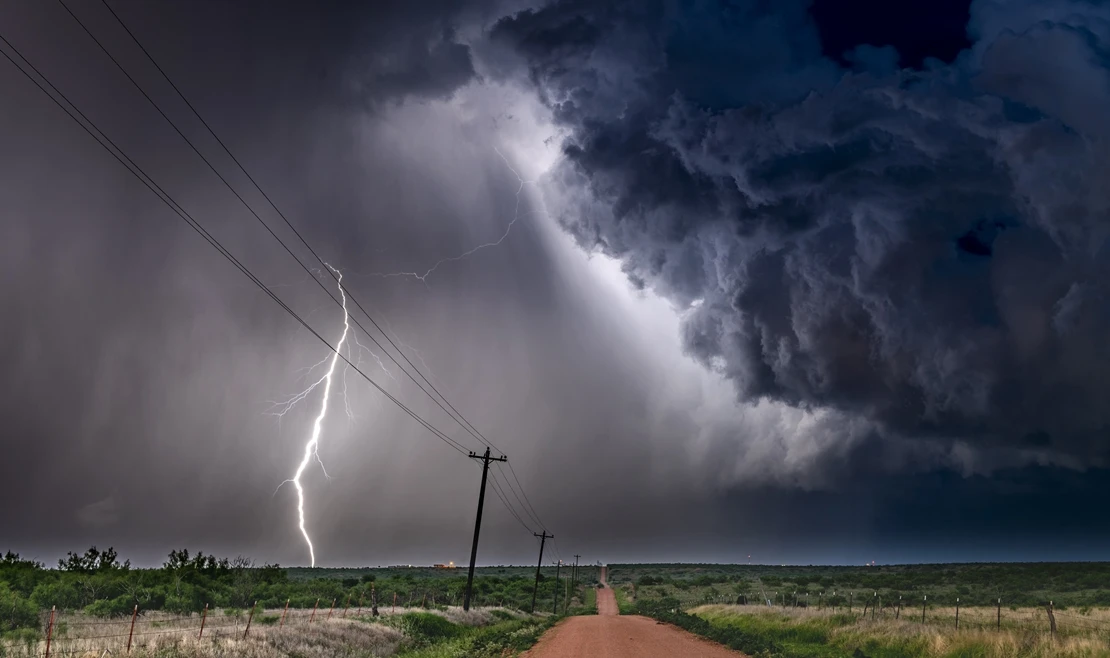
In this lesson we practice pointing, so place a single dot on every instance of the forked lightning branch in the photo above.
(311, 446)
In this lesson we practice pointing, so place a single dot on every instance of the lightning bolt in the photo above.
(423, 277)
(279, 409)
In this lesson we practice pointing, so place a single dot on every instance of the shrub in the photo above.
(117, 607)
(16, 612)
(64, 595)
(426, 628)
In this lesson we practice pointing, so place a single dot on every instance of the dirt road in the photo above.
(609, 635)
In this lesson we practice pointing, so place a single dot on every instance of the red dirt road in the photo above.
(609, 635)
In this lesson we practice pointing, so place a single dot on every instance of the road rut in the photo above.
(609, 635)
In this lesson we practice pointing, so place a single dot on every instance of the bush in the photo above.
(425, 628)
(63, 595)
(16, 612)
(117, 607)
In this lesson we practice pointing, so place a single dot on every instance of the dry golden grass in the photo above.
(161, 634)
(1024, 634)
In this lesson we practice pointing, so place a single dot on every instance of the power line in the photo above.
(523, 493)
(163, 196)
(454, 412)
(557, 552)
(497, 489)
(531, 515)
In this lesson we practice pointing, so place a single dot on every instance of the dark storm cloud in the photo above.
(872, 257)
(922, 250)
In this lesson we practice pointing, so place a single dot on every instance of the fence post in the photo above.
(331, 609)
(249, 618)
(360, 597)
(346, 605)
(1051, 618)
(283, 613)
(203, 617)
(999, 626)
(394, 609)
(131, 633)
(923, 601)
(313, 615)
(50, 630)
(957, 613)
(898, 612)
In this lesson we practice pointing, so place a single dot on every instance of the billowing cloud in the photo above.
(918, 255)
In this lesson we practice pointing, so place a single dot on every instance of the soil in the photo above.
(609, 635)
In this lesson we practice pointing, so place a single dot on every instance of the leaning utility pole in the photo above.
(486, 459)
(574, 577)
(555, 609)
(543, 539)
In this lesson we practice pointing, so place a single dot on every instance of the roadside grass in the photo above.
(812, 634)
(624, 594)
(442, 639)
(589, 601)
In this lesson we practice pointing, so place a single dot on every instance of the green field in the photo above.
(1020, 585)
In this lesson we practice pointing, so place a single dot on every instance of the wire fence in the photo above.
(68, 633)
(996, 618)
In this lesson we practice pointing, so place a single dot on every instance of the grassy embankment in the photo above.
(798, 633)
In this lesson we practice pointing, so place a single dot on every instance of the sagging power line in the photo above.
(113, 149)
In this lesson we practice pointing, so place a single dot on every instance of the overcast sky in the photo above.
(819, 282)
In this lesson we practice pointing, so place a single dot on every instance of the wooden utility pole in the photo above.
(566, 597)
(555, 609)
(536, 588)
(575, 572)
(486, 459)
(999, 626)
(923, 602)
